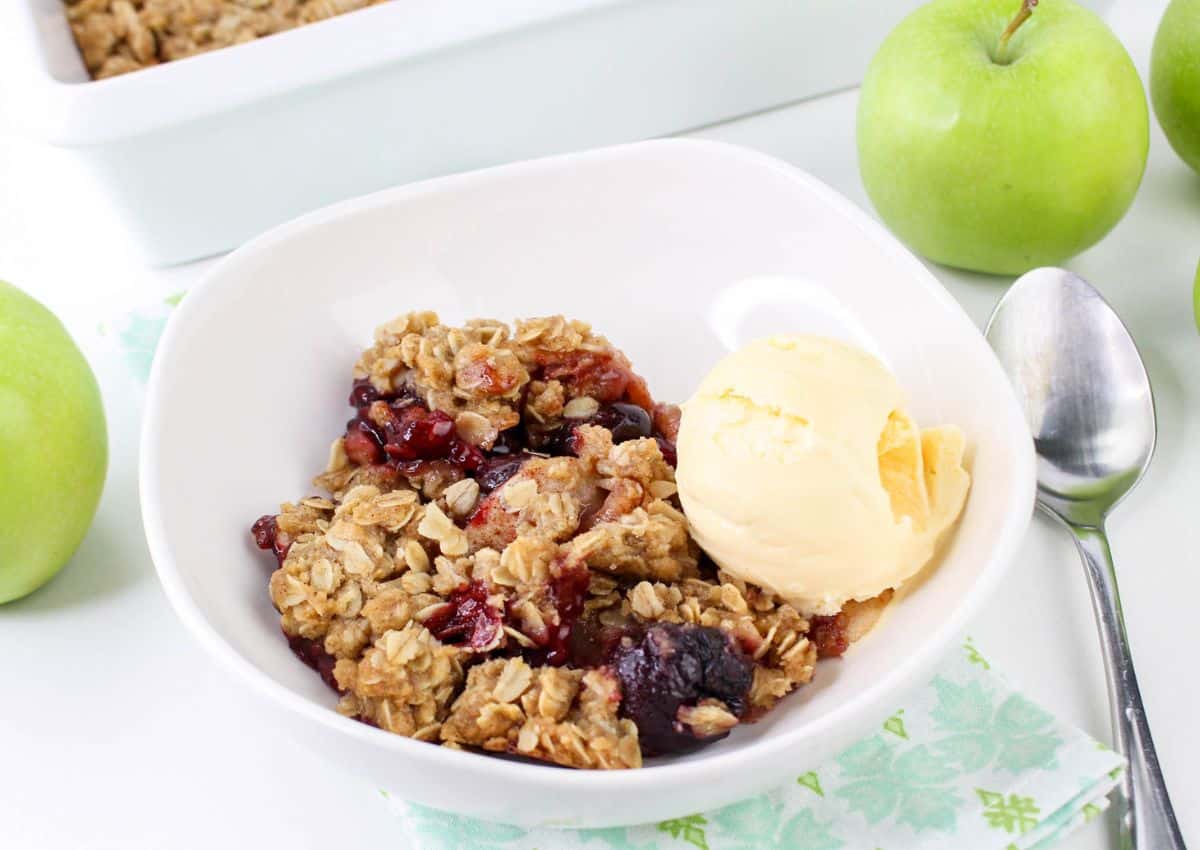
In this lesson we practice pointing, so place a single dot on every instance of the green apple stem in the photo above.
(1022, 16)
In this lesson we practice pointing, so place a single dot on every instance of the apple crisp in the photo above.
(500, 561)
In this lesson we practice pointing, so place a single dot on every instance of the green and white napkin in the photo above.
(964, 764)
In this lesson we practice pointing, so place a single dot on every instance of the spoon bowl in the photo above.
(1084, 390)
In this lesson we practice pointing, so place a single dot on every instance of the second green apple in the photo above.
(1175, 78)
(999, 155)
(1196, 297)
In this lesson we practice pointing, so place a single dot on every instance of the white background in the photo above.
(116, 732)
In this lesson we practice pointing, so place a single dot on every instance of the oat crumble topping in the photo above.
(119, 36)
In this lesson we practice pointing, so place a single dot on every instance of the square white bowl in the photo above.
(649, 243)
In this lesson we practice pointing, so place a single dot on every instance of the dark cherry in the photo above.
(668, 450)
(266, 536)
(669, 666)
(829, 635)
(264, 531)
(406, 435)
(312, 653)
(466, 618)
(553, 440)
(414, 433)
(593, 643)
(508, 443)
(363, 442)
(625, 421)
(363, 393)
(465, 455)
(494, 471)
(569, 591)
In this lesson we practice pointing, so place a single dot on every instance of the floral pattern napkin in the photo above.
(135, 334)
(965, 764)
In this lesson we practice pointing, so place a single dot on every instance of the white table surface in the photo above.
(117, 732)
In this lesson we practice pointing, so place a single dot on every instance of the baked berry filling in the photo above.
(265, 532)
(312, 653)
(568, 591)
(595, 374)
(497, 469)
(623, 420)
(829, 635)
(467, 618)
(363, 393)
(669, 668)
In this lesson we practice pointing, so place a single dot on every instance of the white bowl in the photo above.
(249, 386)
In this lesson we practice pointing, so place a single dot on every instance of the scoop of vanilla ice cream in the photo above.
(800, 472)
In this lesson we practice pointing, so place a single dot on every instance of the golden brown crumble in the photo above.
(553, 713)
(404, 682)
(473, 369)
(647, 542)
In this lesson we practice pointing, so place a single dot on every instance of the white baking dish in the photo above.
(200, 154)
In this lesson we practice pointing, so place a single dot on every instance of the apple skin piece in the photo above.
(53, 445)
(1001, 166)
(1175, 78)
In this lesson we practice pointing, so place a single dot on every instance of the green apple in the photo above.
(1196, 297)
(997, 138)
(53, 445)
(1175, 78)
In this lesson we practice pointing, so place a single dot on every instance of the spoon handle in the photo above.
(1148, 822)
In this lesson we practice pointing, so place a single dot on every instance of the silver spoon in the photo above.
(1087, 399)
